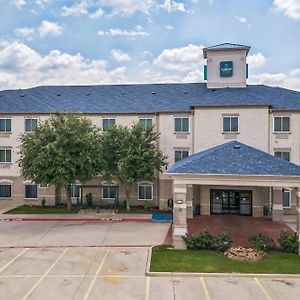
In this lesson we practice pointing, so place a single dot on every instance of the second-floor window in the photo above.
(145, 123)
(283, 155)
(108, 122)
(5, 125)
(230, 124)
(281, 124)
(181, 154)
(5, 155)
(30, 124)
(181, 124)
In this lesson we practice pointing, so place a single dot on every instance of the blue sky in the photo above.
(132, 41)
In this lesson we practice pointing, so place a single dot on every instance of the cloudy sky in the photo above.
(46, 42)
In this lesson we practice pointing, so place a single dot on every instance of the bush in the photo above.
(288, 242)
(89, 200)
(223, 242)
(201, 241)
(262, 242)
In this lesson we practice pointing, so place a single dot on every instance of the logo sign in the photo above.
(226, 68)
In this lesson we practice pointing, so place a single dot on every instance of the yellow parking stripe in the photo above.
(11, 261)
(45, 275)
(87, 294)
(262, 289)
(207, 296)
(147, 290)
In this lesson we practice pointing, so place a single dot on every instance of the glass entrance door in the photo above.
(231, 202)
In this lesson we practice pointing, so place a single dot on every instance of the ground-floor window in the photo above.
(286, 199)
(75, 190)
(5, 191)
(109, 192)
(31, 191)
(145, 192)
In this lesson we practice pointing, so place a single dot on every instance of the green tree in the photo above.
(62, 150)
(131, 155)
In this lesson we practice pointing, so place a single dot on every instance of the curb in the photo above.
(32, 219)
(185, 274)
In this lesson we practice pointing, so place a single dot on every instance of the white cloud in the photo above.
(25, 32)
(43, 3)
(169, 27)
(291, 8)
(172, 5)
(241, 19)
(122, 32)
(21, 66)
(76, 9)
(119, 55)
(50, 28)
(18, 3)
(256, 60)
(97, 14)
(182, 59)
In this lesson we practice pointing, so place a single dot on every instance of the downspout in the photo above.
(157, 190)
(269, 151)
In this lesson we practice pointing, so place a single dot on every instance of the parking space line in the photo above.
(268, 297)
(45, 274)
(12, 260)
(207, 296)
(147, 289)
(87, 294)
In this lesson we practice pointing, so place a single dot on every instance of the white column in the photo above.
(277, 208)
(179, 215)
(298, 217)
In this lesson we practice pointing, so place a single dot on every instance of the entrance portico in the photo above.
(253, 180)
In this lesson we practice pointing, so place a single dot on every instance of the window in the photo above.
(145, 123)
(145, 192)
(5, 191)
(30, 125)
(286, 199)
(5, 125)
(75, 190)
(43, 185)
(181, 154)
(5, 156)
(30, 191)
(283, 155)
(182, 124)
(108, 122)
(281, 124)
(109, 192)
(231, 124)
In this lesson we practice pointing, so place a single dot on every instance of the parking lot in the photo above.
(55, 267)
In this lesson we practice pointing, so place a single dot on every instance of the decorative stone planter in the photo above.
(245, 254)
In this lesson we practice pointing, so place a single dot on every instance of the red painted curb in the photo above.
(76, 219)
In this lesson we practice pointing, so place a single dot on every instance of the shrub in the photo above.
(262, 242)
(43, 202)
(201, 241)
(288, 242)
(89, 200)
(223, 242)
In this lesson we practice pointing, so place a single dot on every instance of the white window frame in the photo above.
(283, 151)
(43, 185)
(37, 121)
(181, 150)
(148, 185)
(274, 131)
(37, 191)
(189, 125)
(6, 162)
(109, 124)
(144, 129)
(108, 186)
(75, 184)
(5, 131)
(7, 183)
(290, 199)
(230, 116)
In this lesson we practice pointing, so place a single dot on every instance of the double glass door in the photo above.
(231, 202)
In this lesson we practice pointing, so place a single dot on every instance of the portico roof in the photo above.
(234, 158)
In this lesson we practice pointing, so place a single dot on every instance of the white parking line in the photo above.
(87, 294)
(11, 261)
(147, 289)
(268, 297)
(45, 275)
(207, 296)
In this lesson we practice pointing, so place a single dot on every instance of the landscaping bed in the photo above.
(36, 210)
(165, 259)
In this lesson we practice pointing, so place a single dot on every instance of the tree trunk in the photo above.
(128, 192)
(68, 194)
(57, 194)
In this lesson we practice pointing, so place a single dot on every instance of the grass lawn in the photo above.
(169, 260)
(24, 209)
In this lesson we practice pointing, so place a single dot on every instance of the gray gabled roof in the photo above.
(141, 98)
(226, 46)
(235, 158)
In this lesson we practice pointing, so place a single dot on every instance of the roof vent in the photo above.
(88, 93)
(22, 95)
(237, 146)
(153, 93)
(123, 93)
(185, 92)
(58, 94)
